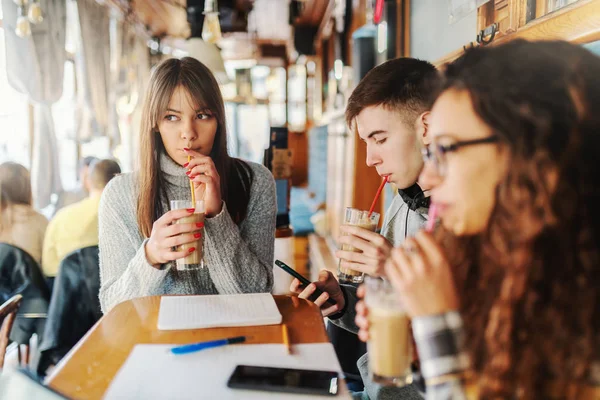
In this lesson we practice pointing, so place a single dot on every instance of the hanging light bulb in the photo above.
(35, 13)
(23, 28)
(211, 30)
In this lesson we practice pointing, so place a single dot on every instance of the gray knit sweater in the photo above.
(238, 259)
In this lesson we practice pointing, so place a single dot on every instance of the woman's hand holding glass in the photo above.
(207, 182)
(166, 236)
(422, 277)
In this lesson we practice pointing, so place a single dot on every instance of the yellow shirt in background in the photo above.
(73, 228)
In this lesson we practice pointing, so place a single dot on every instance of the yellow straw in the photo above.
(192, 188)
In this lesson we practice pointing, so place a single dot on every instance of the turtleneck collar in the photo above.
(174, 173)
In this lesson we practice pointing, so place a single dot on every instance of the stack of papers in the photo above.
(152, 372)
(196, 312)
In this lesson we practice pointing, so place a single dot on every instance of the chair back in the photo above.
(20, 274)
(74, 307)
(8, 313)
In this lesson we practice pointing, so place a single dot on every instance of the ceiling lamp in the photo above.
(34, 14)
(28, 14)
(22, 28)
(211, 30)
(209, 55)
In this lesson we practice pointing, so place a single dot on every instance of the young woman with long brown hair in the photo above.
(20, 224)
(509, 287)
(184, 116)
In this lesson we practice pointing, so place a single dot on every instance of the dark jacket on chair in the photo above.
(74, 307)
(21, 274)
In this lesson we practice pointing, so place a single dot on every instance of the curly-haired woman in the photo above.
(508, 289)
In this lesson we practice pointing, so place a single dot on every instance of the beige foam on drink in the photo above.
(365, 224)
(195, 257)
(389, 342)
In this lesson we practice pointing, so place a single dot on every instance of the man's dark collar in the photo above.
(414, 197)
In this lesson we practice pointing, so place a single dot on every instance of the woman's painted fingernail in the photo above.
(190, 210)
(191, 250)
(188, 172)
(197, 235)
(192, 176)
(186, 149)
(199, 224)
(186, 164)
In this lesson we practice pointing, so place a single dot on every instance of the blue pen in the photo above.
(190, 348)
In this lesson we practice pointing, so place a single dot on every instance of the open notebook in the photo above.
(195, 312)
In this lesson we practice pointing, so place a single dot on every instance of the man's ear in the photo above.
(422, 126)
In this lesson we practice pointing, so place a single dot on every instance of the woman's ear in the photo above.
(422, 128)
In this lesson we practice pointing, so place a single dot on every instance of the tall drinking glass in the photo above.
(195, 259)
(390, 340)
(361, 219)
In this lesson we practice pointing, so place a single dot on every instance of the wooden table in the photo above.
(87, 370)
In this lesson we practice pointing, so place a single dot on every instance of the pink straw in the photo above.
(432, 216)
(377, 195)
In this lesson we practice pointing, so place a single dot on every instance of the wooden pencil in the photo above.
(286, 338)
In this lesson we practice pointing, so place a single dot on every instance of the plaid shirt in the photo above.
(443, 360)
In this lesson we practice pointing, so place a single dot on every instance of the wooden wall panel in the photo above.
(298, 144)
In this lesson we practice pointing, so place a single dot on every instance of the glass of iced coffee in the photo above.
(193, 260)
(362, 219)
(390, 341)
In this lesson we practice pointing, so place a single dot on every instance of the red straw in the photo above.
(378, 11)
(377, 195)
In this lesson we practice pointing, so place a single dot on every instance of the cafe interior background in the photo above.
(73, 75)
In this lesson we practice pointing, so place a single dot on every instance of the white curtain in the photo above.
(92, 60)
(45, 172)
(131, 73)
(35, 66)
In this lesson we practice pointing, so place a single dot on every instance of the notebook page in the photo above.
(195, 312)
(152, 372)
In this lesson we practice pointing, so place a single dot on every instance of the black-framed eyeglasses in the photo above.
(436, 152)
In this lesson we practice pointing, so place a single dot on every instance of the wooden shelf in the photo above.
(576, 23)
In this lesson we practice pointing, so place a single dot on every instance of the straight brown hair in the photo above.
(199, 82)
(15, 185)
(15, 188)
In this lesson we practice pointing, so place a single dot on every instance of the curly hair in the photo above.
(530, 283)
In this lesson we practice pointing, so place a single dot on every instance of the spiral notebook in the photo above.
(215, 311)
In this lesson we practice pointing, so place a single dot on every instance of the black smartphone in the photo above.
(303, 280)
(287, 380)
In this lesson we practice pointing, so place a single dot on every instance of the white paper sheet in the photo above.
(195, 312)
(152, 372)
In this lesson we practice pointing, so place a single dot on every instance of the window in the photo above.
(14, 118)
(63, 113)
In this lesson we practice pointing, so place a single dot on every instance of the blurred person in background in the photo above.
(20, 225)
(76, 226)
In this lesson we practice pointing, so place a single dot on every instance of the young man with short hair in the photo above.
(390, 111)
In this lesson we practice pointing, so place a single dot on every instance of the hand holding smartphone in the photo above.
(304, 282)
